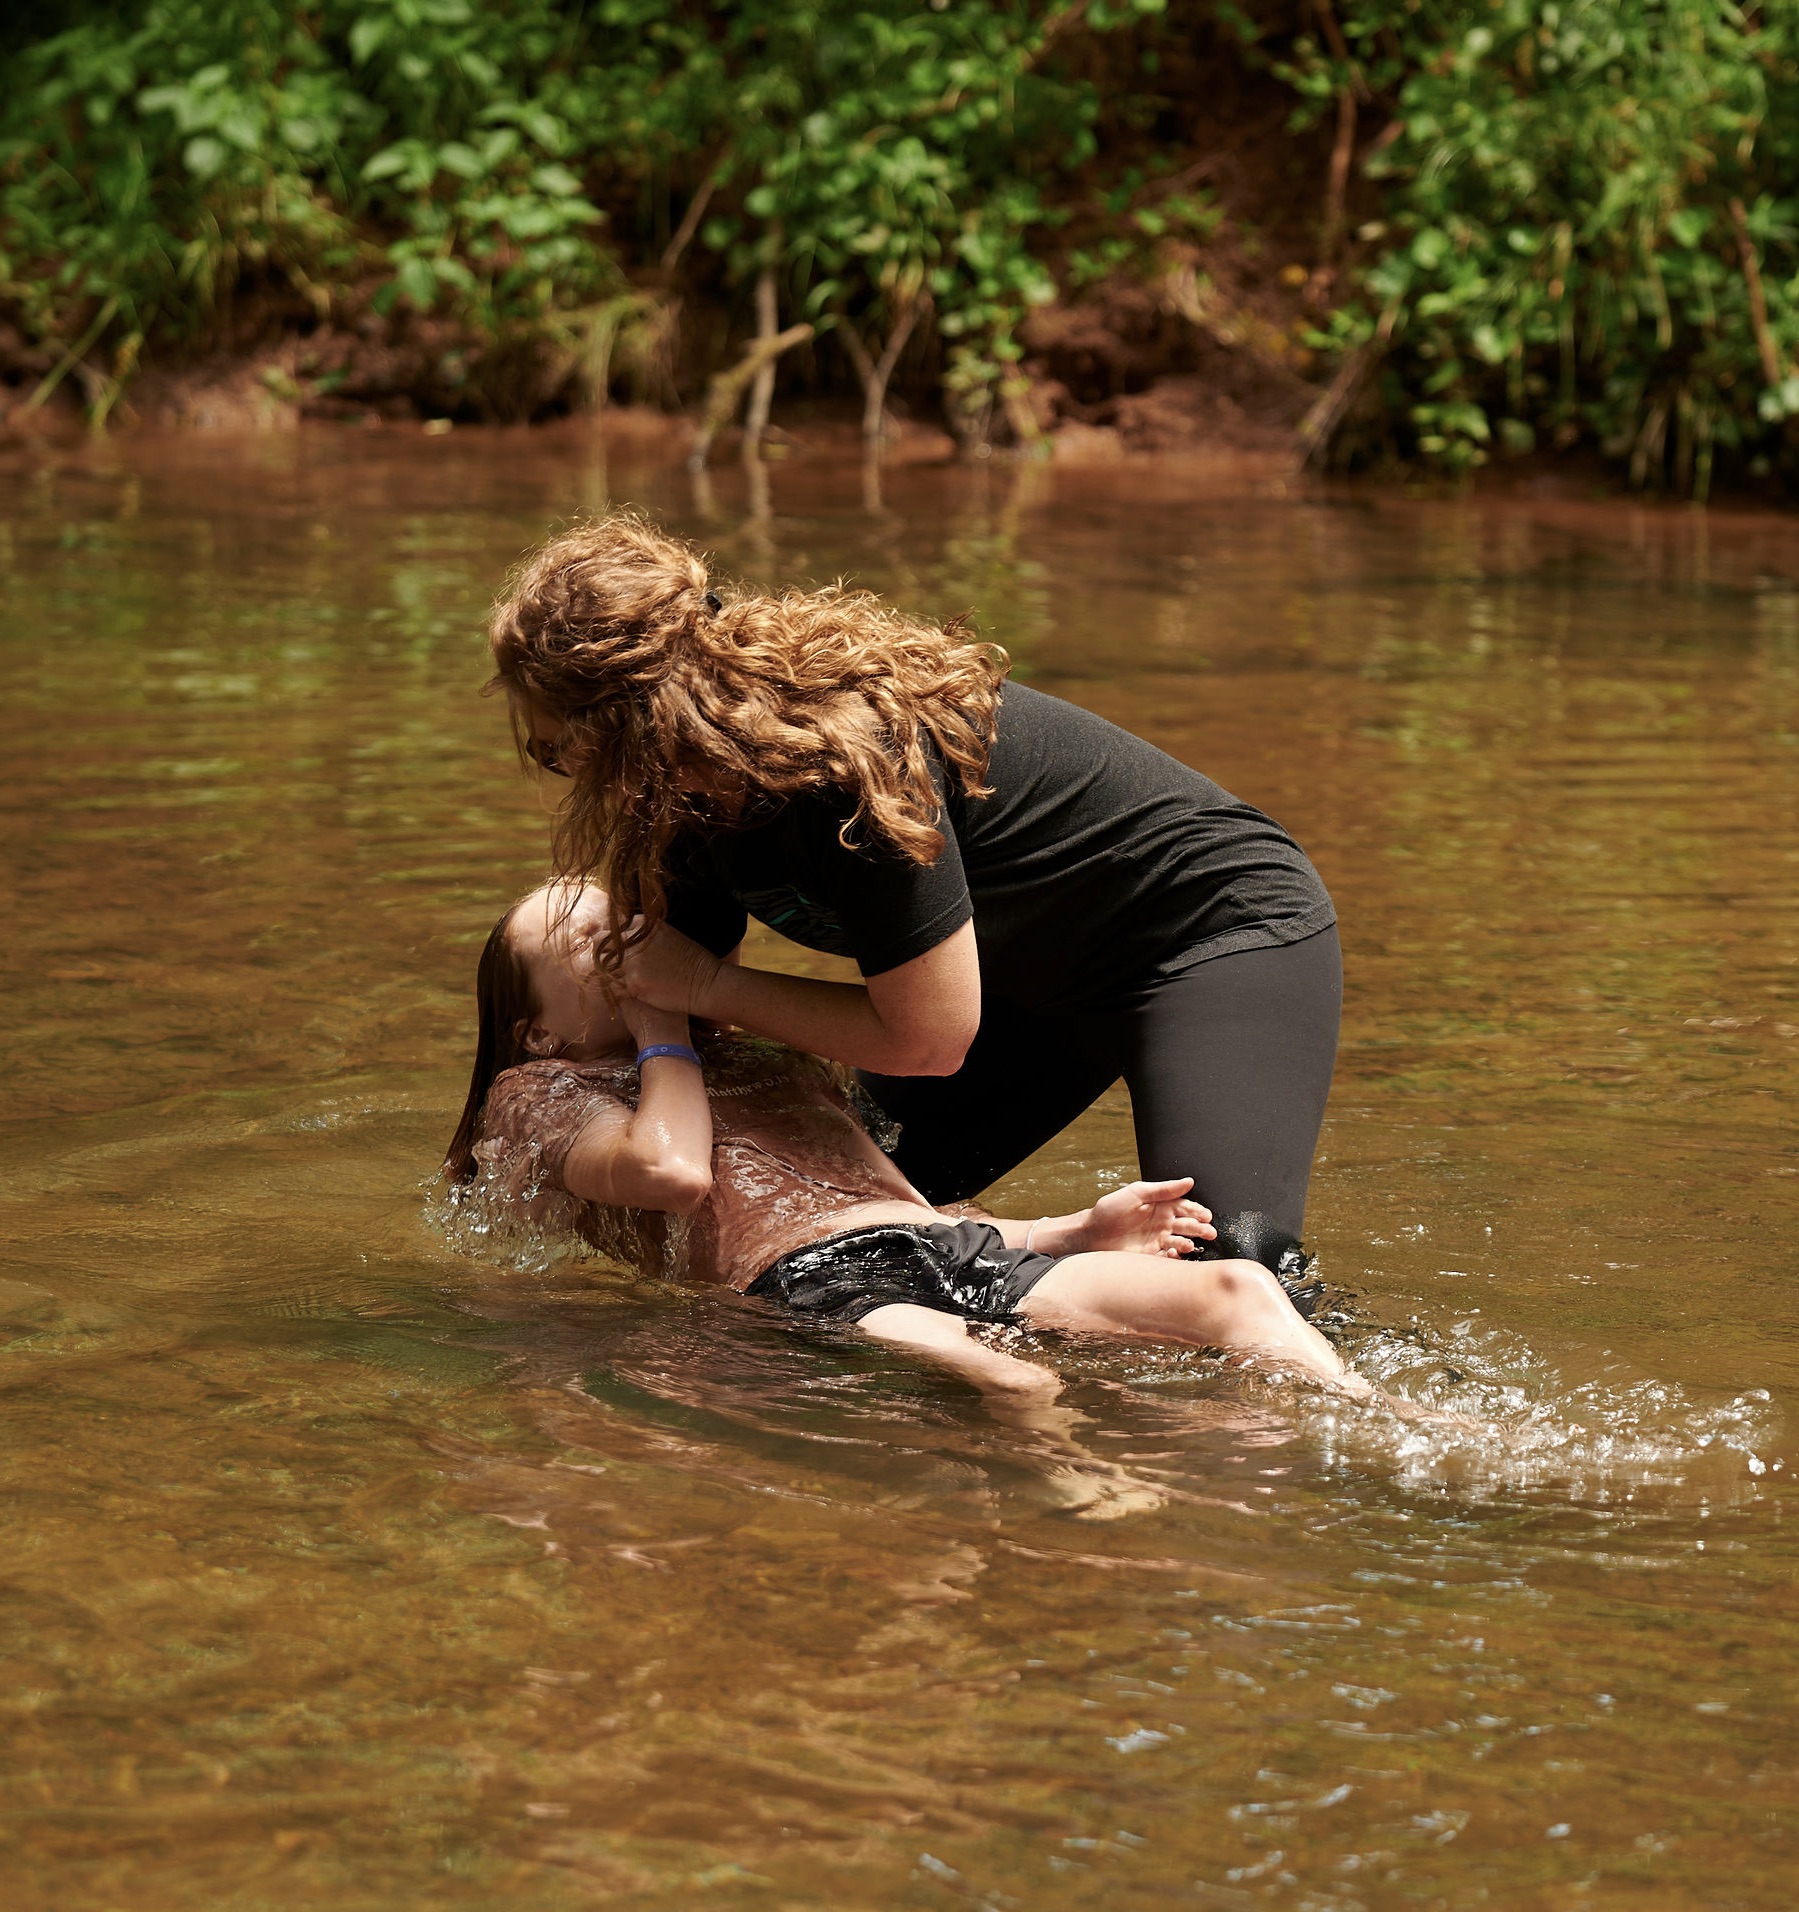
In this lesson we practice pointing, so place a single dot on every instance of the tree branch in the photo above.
(1320, 423)
(696, 211)
(1337, 192)
(768, 325)
(1758, 299)
(875, 375)
(727, 387)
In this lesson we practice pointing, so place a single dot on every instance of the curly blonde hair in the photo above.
(613, 629)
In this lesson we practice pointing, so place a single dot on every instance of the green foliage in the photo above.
(888, 152)
(1581, 197)
(1588, 226)
(455, 155)
(160, 167)
(1129, 243)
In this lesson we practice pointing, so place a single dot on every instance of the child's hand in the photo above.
(1147, 1218)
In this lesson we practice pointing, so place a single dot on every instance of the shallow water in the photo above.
(344, 1569)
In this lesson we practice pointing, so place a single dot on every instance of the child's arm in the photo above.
(1142, 1218)
(657, 1156)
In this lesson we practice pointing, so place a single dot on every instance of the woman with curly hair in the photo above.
(1038, 902)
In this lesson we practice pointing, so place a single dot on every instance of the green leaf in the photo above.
(369, 35)
(242, 126)
(556, 180)
(204, 155)
(386, 163)
(418, 283)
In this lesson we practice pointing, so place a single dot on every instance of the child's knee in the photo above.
(1248, 1289)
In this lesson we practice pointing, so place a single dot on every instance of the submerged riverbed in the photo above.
(345, 1568)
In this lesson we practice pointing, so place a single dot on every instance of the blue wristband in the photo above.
(669, 1049)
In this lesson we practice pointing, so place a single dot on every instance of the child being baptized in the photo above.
(752, 1161)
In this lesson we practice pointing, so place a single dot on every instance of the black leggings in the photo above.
(1229, 1066)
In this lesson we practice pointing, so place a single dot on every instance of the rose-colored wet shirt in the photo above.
(791, 1163)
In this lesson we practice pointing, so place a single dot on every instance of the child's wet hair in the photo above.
(505, 998)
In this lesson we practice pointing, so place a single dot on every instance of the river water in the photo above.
(343, 1567)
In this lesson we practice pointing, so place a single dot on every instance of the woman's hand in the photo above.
(1145, 1218)
(670, 971)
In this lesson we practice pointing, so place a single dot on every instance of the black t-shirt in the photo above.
(1098, 865)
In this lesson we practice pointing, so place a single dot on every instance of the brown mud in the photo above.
(1187, 360)
(1102, 390)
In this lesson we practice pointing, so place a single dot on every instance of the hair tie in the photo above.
(714, 603)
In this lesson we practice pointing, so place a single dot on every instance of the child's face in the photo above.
(573, 1018)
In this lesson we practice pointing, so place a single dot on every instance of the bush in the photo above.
(1584, 213)
(1589, 228)
(151, 174)
(457, 157)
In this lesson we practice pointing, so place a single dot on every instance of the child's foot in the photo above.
(1100, 1492)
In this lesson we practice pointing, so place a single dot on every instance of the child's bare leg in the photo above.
(944, 1339)
(1019, 1393)
(1215, 1304)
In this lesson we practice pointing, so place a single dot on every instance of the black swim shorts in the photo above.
(963, 1268)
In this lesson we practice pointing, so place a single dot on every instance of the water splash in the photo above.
(1470, 1408)
(527, 1234)
(1499, 1417)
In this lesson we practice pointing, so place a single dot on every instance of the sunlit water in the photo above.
(347, 1567)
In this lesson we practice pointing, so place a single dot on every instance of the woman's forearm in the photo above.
(1044, 1234)
(671, 1128)
(916, 1019)
(669, 1141)
(660, 1158)
(838, 1020)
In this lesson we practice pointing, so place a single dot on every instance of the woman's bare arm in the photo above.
(1141, 1218)
(917, 1019)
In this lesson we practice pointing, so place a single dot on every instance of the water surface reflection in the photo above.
(344, 1568)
